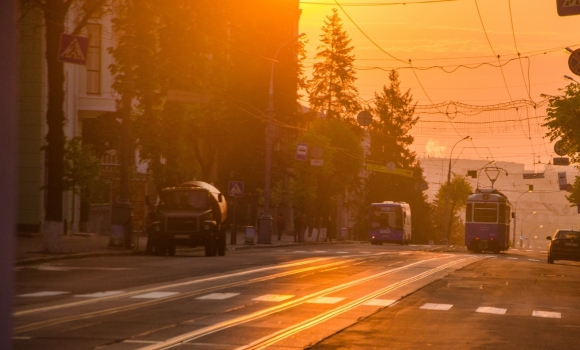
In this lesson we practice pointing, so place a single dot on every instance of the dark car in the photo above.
(565, 245)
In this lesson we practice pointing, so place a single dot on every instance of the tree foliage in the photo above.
(393, 119)
(56, 13)
(332, 85)
(564, 120)
(459, 189)
(315, 188)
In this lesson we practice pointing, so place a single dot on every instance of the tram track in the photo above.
(186, 337)
(149, 303)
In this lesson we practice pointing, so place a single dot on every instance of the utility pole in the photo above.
(8, 163)
(121, 230)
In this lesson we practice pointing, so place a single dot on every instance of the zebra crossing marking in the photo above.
(491, 310)
(379, 302)
(439, 307)
(274, 297)
(154, 295)
(42, 294)
(546, 314)
(325, 300)
(218, 296)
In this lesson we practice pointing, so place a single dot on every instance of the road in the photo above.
(338, 296)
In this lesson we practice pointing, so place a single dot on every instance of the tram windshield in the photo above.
(485, 212)
(386, 217)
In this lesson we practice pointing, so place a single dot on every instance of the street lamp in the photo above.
(516, 218)
(570, 78)
(448, 190)
(265, 220)
(522, 228)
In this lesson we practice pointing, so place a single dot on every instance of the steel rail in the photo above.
(110, 311)
(285, 333)
(180, 339)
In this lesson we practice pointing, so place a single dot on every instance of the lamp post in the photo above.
(265, 220)
(522, 228)
(516, 218)
(448, 190)
(570, 78)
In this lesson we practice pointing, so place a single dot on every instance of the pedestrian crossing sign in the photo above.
(236, 188)
(73, 49)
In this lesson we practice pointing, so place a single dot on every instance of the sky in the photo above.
(451, 34)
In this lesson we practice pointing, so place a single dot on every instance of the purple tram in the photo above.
(487, 221)
(390, 222)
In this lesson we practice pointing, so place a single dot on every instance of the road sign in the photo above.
(364, 118)
(561, 161)
(236, 188)
(568, 7)
(559, 148)
(533, 176)
(383, 169)
(302, 151)
(574, 61)
(73, 49)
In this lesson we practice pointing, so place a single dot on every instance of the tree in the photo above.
(563, 123)
(390, 140)
(81, 171)
(55, 14)
(315, 189)
(332, 85)
(564, 120)
(459, 189)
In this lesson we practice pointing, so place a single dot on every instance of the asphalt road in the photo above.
(340, 296)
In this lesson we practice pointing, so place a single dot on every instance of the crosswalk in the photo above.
(328, 300)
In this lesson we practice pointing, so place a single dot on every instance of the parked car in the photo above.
(564, 245)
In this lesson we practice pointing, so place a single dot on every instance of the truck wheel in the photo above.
(221, 245)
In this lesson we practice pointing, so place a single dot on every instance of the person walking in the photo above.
(297, 227)
(280, 225)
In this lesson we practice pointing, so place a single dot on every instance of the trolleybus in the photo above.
(390, 222)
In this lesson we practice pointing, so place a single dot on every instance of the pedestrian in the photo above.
(280, 225)
(329, 231)
(297, 227)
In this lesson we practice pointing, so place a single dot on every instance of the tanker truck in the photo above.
(191, 214)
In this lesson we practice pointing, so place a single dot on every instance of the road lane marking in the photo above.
(54, 321)
(292, 330)
(491, 310)
(155, 295)
(284, 306)
(42, 294)
(440, 307)
(379, 302)
(546, 314)
(513, 258)
(181, 284)
(98, 294)
(342, 252)
(21, 338)
(274, 297)
(325, 300)
(533, 260)
(218, 296)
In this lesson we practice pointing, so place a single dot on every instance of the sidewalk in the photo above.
(29, 247)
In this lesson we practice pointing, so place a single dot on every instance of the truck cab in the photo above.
(191, 214)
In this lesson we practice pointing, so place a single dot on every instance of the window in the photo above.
(468, 212)
(94, 59)
(485, 212)
(502, 214)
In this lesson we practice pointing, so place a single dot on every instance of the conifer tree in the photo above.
(390, 140)
(331, 88)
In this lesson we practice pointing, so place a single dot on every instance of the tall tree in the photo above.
(563, 120)
(332, 88)
(56, 13)
(459, 189)
(393, 119)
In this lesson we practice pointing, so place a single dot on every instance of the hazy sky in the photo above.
(450, 34)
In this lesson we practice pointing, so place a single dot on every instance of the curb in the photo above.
(70, 256)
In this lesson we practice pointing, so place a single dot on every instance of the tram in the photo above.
(390, 222)
(487, 221)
